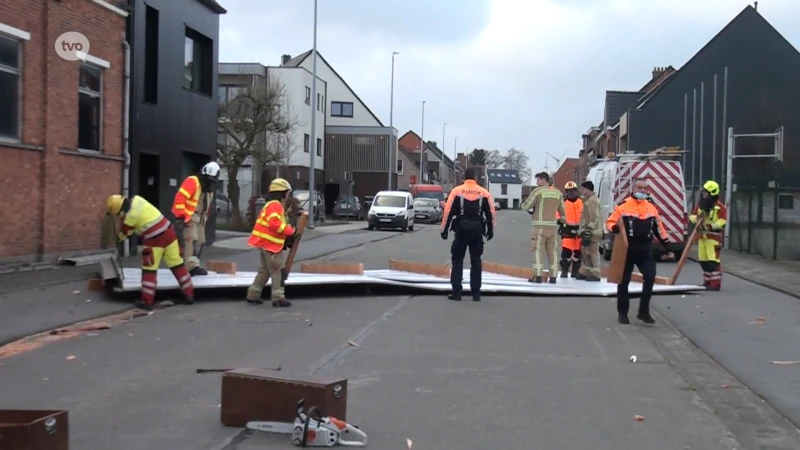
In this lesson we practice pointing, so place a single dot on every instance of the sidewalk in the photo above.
(782, 276)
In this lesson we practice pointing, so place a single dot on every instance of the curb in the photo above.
(756, 282)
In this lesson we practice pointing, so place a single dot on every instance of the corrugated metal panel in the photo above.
(355, 153)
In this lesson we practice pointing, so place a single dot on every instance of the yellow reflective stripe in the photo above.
(185, 192)
(180, 207)
(263, 223)
(191, 202)
(268, 237)
(274, 215)
(282, 227)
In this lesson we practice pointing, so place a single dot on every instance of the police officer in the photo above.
(469, 212)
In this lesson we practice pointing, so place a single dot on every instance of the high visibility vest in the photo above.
(271, 228)
(144, 219)
(187, 198)
(717, 217)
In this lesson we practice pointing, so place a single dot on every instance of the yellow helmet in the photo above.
(570, 185)
(114, 204)
(279, 184)
(712, 187)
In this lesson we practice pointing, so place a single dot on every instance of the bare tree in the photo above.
(255, 112)
(517, 160)
(280, 147)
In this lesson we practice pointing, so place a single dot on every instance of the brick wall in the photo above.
(53, 195)
(565, 173)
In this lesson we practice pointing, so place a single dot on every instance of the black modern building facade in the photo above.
(173, 117)
(762, 94)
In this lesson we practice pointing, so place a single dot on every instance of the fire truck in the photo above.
(613, 179)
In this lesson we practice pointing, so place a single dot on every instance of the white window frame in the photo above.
(399, 167)
(18, 36)
(306, 143)
(101, 125)
(319, 147)
(308, 96)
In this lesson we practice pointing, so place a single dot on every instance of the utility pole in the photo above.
(422, 147)
(312, 196)
(444, 127)
(393, 142)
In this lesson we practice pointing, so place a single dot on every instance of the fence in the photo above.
(766, 222)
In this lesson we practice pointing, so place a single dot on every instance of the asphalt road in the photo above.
(543, 373)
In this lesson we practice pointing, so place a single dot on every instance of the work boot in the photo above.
(188, 300)
(623, 319)
(535, 280)
(712, 288)
(143, 306)
(198, 271)
(255, 301)
(564, 274)
(579, 276)
(591, 278)
(646, 318)
(281, 303)
(454, 297)
(476, 298)
(552, 280)
(575, 273)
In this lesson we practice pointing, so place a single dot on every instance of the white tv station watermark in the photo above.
(72, 46)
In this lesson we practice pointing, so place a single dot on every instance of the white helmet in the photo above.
(211, 170)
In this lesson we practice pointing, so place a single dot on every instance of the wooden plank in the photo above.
(227, 267)
(437, 270)
(301, 227)
(337, 268)
(618, 254)
(508, 270)
(686, 249)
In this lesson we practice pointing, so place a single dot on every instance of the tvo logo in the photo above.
(72, 46)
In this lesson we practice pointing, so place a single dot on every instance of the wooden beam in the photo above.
(508, 270)
(336, 268)
(227, 267)
(301, 227)
(437, 270)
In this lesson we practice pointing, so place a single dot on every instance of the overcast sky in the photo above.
(530, 74)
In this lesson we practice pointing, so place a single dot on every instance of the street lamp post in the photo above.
(455, 158)
(392, 142)
(422, 146)
(312, 193)
(444, 127)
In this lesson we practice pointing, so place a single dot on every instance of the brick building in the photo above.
(61, 135)
(566, 173)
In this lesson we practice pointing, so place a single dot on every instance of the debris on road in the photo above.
(638, 418)
(759, 321)
(71, 358)
(785, 363)
(80, 329)
(352, 344)
(234, 368)
(633, 358)
(76, 292)
(408, 443)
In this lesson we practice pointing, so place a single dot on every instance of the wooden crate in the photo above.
(34, 429)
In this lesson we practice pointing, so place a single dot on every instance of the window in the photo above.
(151, 55)
(341, 109)
(10, 65)
(503, 189)
(222, 138)
(308, 95)
(226, 93)
(399, 166)
(90, 101)
(322, 105)
(306, 143)
(785, 201)
(319, 147)
(198, 54)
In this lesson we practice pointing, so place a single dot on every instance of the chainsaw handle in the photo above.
(353, 430)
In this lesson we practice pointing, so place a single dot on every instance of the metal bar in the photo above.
(729, 182)
(700, 154)
(722, 159)
(714, 135)
(749, 222)
(312, 204)
(392, 142)
(694, 142)
(772, 135)
(775, 224)
(753, 156)
(685, 135)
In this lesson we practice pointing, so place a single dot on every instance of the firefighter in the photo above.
(272, 234)
(158, 236)
(543, 204)
(192, 206)
(641, 221)
(570, 240)
(470, 213)
(714, 216)
(590, 232)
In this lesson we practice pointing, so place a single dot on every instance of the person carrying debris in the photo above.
(641, 221)
(270, 235)
(590, 232)
(714, 217)
(570, 240)
(192, 206)
(470, 213)
(140, 217)
(543, 204)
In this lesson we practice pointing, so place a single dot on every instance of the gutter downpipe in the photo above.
(126, 142)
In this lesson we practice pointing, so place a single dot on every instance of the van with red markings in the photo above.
(432, 191)
(613, 180)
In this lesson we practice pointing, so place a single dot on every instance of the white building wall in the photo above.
(295, 80)
(339, 92)
(514, 191)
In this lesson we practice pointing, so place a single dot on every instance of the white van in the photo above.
(391, 209)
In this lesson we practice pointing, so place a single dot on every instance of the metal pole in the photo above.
(312, 197)
(685, 135)
(694, 141)
(700, 154)
(444, 127)
(422, 146)
(392, 142)
(455, 157)
(729, 179)
(723, 161)
(714, 135)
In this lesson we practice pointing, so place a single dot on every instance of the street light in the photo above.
(392, 143)
(444, 127)
(312, 195)
(455, 158)
(422, 145)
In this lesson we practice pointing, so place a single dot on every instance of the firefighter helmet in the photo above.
(712, 187)
(570, 185)
(279, 185)
(114, 204)
(211, 170)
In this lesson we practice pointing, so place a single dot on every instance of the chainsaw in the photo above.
(312, 429)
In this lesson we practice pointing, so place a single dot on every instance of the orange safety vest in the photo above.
(271, 229)
(187, 198)
(573, 210)
(718, 218)
(641, 217)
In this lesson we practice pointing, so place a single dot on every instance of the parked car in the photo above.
(392, 209)
(319, 209)
(497, 206)
(223, 205)
(347, 206)
(366, 204)
(427, 210)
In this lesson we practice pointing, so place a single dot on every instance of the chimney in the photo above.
(285, 59)
(658, 71)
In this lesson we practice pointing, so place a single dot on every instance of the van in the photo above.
(613, 180)
(391, 209)
(433, 191)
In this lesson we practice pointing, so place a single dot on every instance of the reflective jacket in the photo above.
(469, 204)
(717, 217)
(187, 198)
(144, 219)
(546, 202)
(641, 220)
(271, 228)
(590, 217)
